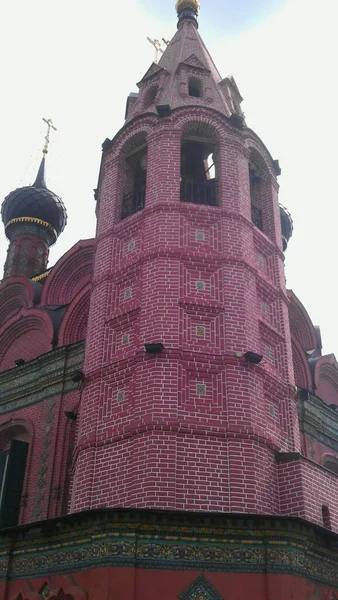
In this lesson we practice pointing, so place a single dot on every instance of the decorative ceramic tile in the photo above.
(200, 589)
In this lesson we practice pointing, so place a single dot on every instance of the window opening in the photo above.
(255, 193)
(12, 475)
(195, 87)
(326, 517)
(331, 463)
(199, 182)
(150, 97)
(135, 178)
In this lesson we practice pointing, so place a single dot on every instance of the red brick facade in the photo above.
(199, 426)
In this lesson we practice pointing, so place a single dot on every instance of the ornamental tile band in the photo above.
(200, 589)
(152, 540)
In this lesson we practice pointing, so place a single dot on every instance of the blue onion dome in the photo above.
(286, 224)
(34, 205)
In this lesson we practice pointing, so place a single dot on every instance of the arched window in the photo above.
(261, 196)
(195, 87)
(199, 165)
(134, 176)
(13, 458)
(150, 96)
(331, 463)
(255, 196)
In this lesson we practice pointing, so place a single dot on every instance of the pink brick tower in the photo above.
(189, 386)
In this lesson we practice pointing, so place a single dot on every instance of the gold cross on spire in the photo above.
(50, 126)
(157, 46)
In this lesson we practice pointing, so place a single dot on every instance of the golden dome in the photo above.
(181, 4)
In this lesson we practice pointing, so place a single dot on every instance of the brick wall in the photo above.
(305, 488)
(48, 433)
(179, 430)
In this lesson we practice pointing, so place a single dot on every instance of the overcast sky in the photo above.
(76, 62)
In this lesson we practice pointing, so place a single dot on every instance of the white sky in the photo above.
(77, 62)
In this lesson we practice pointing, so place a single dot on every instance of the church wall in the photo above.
(305, 488)
(193, 277)
(35, 397)
(45, 476)
(318, 451)
(139, 584)
(128, 555)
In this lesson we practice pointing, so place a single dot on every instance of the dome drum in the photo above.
(31, 226)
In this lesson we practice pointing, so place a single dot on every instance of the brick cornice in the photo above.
(48, 375)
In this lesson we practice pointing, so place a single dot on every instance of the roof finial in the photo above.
(40, 178)
(157, 46)
(187, 9)
(50, 126)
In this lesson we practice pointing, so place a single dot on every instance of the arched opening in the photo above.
(199, 165)
(150, 96)
(255, 196)
(13, 459)
(195, 87)
(261, 196)
(326, 517)
(134, 176)
(331, 463)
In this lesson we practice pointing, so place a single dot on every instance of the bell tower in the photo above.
(189, 386)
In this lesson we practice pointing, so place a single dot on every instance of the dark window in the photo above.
(199, 182)
(135, 179)
(255, 196)
(331, 463)
(12, 475)
(150, 97)
(195, 87)
(326, 517)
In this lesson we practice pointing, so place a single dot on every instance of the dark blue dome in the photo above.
(36, 202)
(286, 224)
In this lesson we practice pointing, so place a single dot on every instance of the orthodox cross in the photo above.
(50, 126)
(157, 46)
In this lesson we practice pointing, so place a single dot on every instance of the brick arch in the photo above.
(123, 140)
(14, 429)
(208, 118)
(255, 146)
(70, 274)
(257, 157)
(74, 324)
(150, 93)
(131, 192)
(330, 461)
(200, 128)
(25, 336)
(326, 379)
(300, 323)
(15, 293)
(301, 366)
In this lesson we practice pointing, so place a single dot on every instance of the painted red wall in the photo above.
(138, 584)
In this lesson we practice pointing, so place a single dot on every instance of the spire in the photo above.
(187, 9)
(40, 178)
(185, 75)
(40, 181)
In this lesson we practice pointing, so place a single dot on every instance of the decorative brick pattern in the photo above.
(200, 589)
